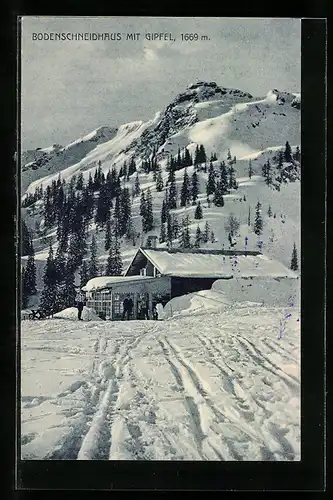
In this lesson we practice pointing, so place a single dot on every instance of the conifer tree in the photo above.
(185, 193)
(169, 230)
(84, 274)
(287, 153)
(143, 205)
(172, 192)
(210, 188)
(93, 265)
(229, 156)
(232, 178)
(194, 187)
(125, 210)
(198, 211)
(218, 195)
(187, 158)
(117, 216)
(162, 237)
(26, 239)
(280, 161)
(206, 231)
(164, 211)
(103, 207)
(114, 266)
(175, 227)
(49, 290)
(294, 260)
(250, 169)
(185, 238)
(30, 274)
(202, 154)
(212, 237)
(137, 188)
(131, 167)
(224, 178)
(49, 213)
(79, 182)
(108, 233)
(269, 211)
(297, 154)
(267, 172)
(159, 180)
(258, 222)
(198, 237)
(249, 217)
(150, 215)
(90, 183)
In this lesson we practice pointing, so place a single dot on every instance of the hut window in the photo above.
(143, 271)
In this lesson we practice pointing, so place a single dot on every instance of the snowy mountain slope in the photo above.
(39, 163)
(220, 385)
(205, 113)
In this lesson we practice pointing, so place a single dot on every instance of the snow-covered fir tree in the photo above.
(114, 265)
(258, 222)
(159, 180)
(232, 178)
(164, 210)
(206, 232)
(269, 211)
(26, 239)
(84, 274)
(93, 264)
(107, 242)
(162, 237)
(79, 182)
(250, 169)
(224, 178)
(172, 191)
(294, 259)
(185, 193)
(287, 153)
(198, 237)
(218, 195)
(210, 187)
(198, 211)
(29, 276)
(185, 238)
(48, 296)
(194, 186)
(137, 188)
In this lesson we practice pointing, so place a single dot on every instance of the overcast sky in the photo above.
(72, 87)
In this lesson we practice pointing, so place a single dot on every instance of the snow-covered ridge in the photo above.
(240, 118)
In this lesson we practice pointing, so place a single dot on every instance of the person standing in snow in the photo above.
(128, 307)
(80, 301)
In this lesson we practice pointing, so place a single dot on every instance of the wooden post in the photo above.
(135, 315)
(112, 307)
(150, 307)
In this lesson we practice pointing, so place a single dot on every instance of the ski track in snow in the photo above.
(213, 387)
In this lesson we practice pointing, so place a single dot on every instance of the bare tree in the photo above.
(232, 224)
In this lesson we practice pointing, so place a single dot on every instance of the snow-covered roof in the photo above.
(198, 265)
(107, 281)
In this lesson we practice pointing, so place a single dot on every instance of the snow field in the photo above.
(218, 386)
